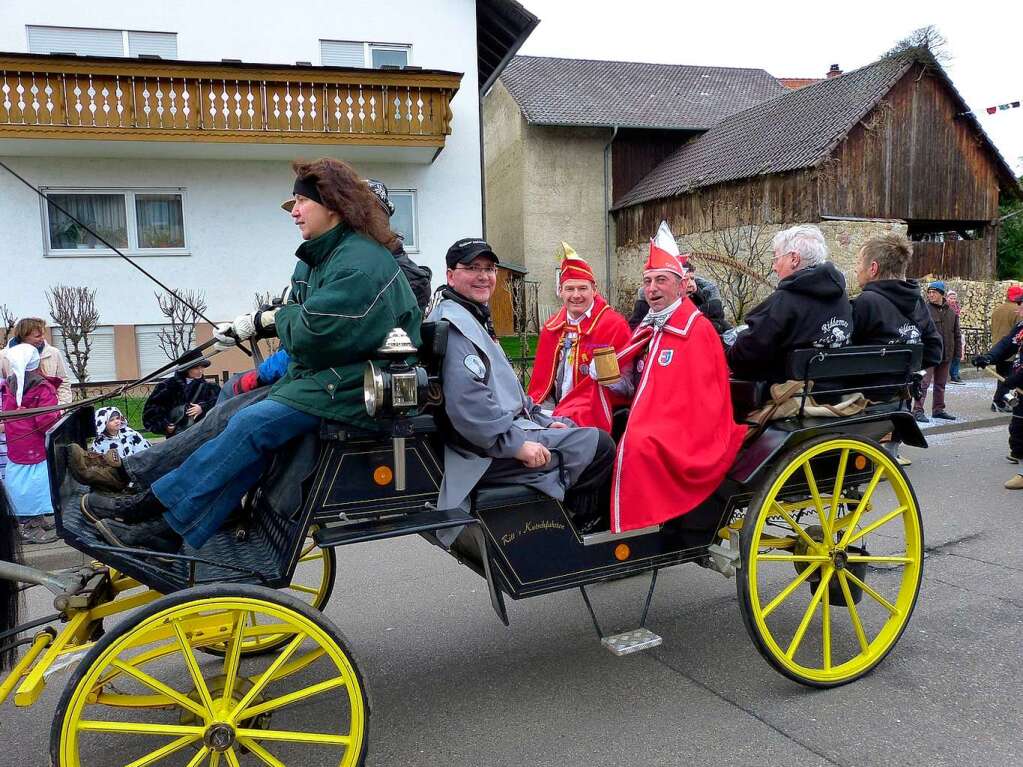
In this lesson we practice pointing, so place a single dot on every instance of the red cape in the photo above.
(604, 327)
(680, 439)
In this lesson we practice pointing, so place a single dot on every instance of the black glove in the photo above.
(981, 361)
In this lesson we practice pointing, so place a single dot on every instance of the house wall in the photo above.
(504, 152)
(240, 242)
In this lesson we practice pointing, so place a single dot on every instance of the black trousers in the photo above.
(1016, 431)
(589, 499)
(1003, 369)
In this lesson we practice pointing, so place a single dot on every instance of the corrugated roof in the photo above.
(553, 91)
(795, 130)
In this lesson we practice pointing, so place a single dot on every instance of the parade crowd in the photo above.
(628, 421)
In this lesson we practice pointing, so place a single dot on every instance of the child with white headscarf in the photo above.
(114, 433)
(26, 478)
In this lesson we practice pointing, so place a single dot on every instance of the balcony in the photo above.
(103, 107)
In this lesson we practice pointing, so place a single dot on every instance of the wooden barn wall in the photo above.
(635, 153)
(968, 259)
(912, 158)
(791, 197)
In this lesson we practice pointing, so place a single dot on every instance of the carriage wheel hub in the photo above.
(219, 737)
(840, 559)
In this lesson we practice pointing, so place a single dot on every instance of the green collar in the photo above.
(315, 251)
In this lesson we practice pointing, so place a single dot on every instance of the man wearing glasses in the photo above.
(496, 433)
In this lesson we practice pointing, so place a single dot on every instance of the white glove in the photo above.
(228, 334)
(224, 338)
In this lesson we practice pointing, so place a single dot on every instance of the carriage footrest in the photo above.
(378, 529)
(629, 642)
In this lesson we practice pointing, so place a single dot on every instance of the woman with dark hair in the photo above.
(347, 294)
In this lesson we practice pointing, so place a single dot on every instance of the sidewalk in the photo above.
(970, 403)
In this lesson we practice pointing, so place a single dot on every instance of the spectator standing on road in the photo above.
(953, 370)
(947, 323)
(26, 478)
(30, 330)
(3, 434)
(1003, 319)
(1009, 349)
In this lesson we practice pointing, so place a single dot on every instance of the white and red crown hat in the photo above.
(664, 254)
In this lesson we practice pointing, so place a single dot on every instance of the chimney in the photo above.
(834, 71)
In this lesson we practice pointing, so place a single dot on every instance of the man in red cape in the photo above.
(584, 323)
(680, 439)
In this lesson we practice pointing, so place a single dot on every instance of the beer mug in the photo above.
(606, 364)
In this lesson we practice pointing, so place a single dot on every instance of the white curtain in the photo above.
(159, 220)
(105, 213)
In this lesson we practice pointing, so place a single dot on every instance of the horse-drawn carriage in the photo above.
(222, 656)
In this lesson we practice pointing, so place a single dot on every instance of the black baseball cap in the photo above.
(464, 251)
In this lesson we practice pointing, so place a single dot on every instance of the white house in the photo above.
(171, 127)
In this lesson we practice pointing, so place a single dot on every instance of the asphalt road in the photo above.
(451, 686)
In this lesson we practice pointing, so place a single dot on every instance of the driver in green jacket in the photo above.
(347, 294)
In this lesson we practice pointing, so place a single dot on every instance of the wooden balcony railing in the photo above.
(69, 97)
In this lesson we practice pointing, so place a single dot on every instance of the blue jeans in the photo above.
(202, 492)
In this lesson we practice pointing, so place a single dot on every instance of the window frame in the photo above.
(131, 222)
(414, 194)
(125, 46)
(367, 50)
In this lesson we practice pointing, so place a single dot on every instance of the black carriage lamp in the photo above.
(394, 391)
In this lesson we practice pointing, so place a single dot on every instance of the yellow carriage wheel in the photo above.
(832, 559)
(142, 694)
(312, 583)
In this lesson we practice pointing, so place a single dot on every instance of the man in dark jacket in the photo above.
(947, 323)
(1003, 319)
(181, 400)
(1009, 350)
(347, 294)
(809, 308)
(890, 310)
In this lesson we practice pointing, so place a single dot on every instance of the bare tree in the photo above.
(74, 311)
(7, 321)
(182, 311)
(926, 40)
(738, 259)
(264, 299)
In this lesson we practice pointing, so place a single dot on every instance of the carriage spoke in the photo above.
(232, 759)
(793, 558)
(836, 492)
(306, 550)
(232, 657)
(850, 527)
(215, 759)
(872, 558)
(196, 760)
(877, 597)
(261, 753)
(311, 557)
(826, 628)
(193, 667)
(854, 615)
(299, 663)
(303, 589)
(171, 748)
(797, 638)
(318, 738)
(158, 686)
(817, 501)
(267, 675)
(292, 697)
(810, 542)
(139, 728)
(787, 591)
(878, 523)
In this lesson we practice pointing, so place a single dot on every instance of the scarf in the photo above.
(480, 312)
(657, 319)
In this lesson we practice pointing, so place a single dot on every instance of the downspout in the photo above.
(607, 214)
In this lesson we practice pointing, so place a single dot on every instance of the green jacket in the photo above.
(347, 294)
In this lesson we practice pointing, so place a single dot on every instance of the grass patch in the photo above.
(512, 346)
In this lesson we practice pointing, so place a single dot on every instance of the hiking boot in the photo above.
(47, 522)
(31, 531)
(1016, 483)
(102, 472)
(943, 415)
(134, 508)
(920, 417)
(154, 534)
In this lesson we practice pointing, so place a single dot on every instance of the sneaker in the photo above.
(134, 508)
(1012, 458)
(957, 381)
(920, 417)
(903, 461)
(154, 534)
(943, 415)
(1016, 483)
(31, 531)
(98, 471)
(1000, 407)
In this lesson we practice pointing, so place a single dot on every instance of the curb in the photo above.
(52, 556)
(980, 423)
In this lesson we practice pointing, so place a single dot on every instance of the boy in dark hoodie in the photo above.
(890, 310)
(809, 309)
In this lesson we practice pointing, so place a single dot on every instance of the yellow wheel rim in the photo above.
(834, 562)
(148, 695)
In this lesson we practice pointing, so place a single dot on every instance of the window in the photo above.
(102, 365)
(150, 354)
(352, 53)
(404, 219)
(101, 42)
(143, 222)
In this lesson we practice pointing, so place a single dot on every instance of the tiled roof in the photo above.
(798, 82)
(552, 91)
(794, 130)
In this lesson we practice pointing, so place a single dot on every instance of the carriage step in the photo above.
(392, 527)
(629, 642)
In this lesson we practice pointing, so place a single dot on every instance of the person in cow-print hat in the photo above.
(113, 433)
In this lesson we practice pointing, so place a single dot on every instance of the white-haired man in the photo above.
(809, 308)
